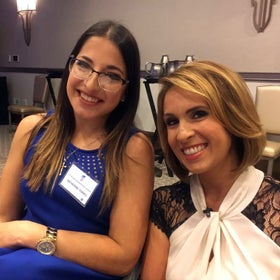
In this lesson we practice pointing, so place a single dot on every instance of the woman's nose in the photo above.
(185, 131)
(92, 81)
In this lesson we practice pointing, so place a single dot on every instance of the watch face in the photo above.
(46, 247)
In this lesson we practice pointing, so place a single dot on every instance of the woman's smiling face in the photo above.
(88, 100)
(195, 136)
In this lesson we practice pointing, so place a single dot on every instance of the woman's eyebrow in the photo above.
(196, 108)
(168, 114)
(114, 67)
(87, 59)
(109, 67)
(190, 110)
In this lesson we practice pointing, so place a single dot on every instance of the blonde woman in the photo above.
(222, 219)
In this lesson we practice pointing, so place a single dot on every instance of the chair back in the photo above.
(268, 107)
(40, 91)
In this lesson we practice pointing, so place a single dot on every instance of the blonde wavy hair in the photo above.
(228, 98)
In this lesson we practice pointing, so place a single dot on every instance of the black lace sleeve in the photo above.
(171, 206)
(264, 210)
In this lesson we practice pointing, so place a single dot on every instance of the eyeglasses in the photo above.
(107, 81)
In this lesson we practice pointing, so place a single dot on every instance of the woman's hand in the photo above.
(20, 234)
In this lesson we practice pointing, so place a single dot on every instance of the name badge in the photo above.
(78, 184)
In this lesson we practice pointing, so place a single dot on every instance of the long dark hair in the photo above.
(60, 126)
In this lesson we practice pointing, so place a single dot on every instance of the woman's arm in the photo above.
(118, 252)
(11, 204)
(155, 254)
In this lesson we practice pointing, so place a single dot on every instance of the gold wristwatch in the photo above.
(46, 245)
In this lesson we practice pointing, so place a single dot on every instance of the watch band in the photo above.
(51, 233)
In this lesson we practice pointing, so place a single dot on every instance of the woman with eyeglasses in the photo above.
(221, 220)
(76, 189)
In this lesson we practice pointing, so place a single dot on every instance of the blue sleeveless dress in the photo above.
(62, 211)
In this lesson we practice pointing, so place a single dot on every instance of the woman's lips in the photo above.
(88, 98)
(194, 149)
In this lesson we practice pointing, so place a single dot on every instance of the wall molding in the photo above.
(57, 72)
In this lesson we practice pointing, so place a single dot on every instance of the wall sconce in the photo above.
(262, 13)
(26, 9)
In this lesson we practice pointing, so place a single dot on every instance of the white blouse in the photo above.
(226, 245)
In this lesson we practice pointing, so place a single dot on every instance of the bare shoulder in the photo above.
(31, 120)
(139, 146)
(20, 139)
(24, 129)
(28, 123)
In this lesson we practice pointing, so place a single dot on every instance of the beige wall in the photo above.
(219, 30)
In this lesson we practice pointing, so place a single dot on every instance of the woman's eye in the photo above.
(199, 114)
(113, 76)
(82, 65)
(171, 121)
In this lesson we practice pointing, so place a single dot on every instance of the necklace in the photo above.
(63, 163)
